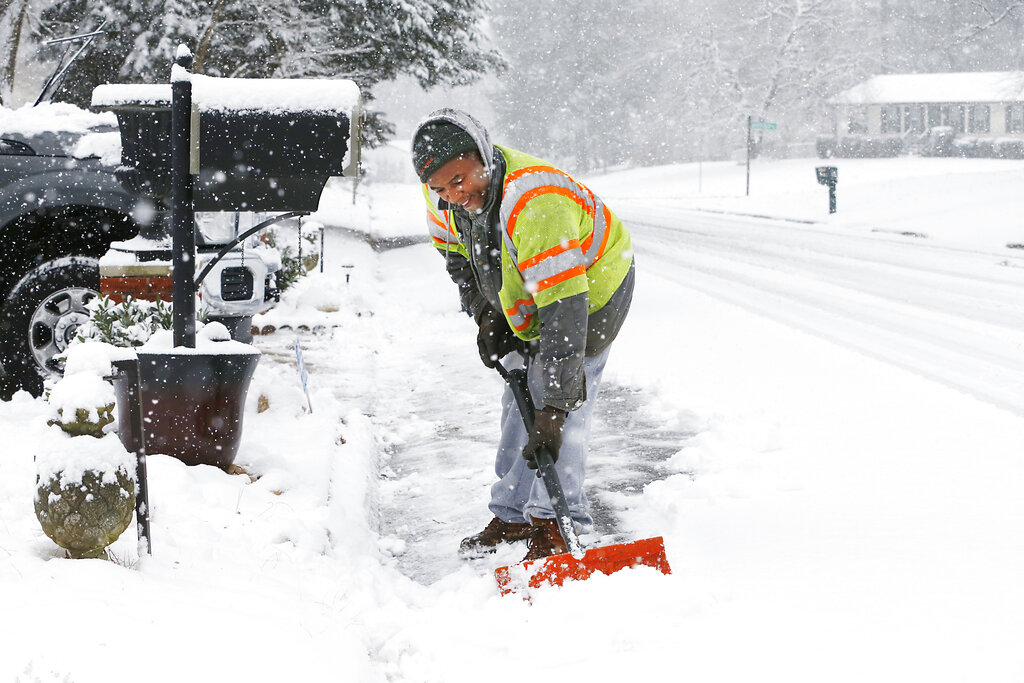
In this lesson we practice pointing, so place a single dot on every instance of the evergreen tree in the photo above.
(369, 41)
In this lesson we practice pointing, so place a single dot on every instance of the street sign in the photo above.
(761, 125)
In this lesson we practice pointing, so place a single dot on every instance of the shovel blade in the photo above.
(557, 569)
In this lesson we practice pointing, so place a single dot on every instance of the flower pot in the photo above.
(191, 404)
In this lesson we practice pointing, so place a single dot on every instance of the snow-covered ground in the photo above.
(821, 415)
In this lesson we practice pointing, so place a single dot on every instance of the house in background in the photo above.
(943, 114)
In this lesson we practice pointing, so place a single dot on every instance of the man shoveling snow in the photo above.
(546, 271)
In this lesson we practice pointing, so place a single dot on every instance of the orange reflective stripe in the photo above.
(526, 323)
(527, 196)
(585, 247)
(515, 307)
(553, 251)
(561, 277)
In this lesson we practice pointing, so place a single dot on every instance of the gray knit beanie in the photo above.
(436, 143)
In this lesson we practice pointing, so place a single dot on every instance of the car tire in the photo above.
(41, 315)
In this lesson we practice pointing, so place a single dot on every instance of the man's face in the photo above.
(462, 181)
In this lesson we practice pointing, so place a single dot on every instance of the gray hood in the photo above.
(469, 124)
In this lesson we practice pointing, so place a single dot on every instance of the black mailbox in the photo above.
(829, 175)
(144, 118)
(256, 144)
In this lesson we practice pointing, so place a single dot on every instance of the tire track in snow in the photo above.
(953, 316)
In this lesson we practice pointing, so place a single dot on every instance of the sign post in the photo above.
(754, 125)
(750, 143)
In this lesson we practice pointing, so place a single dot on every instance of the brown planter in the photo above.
(192, 404)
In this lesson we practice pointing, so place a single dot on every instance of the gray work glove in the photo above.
(495, 339)
(547, 433)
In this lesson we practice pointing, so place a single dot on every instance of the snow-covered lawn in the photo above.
(809, 414)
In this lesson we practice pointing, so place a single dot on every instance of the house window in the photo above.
(953, 116)
(1015, 118)
(891, 120)
(914, 118)
(934, 115)
(857, 120)
(979, 118)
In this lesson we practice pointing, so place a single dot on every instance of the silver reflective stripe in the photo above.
(440, 232)
(519, 316)
(553, 265)
(598, 235)
(513, 253)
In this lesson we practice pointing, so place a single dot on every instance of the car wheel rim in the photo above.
(54, 324)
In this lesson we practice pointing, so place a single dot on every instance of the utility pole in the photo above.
(749, 143)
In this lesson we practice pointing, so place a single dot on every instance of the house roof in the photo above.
(964, 87)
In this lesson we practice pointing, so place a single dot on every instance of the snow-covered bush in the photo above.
(940, 141)
(1010, 148)
(129, 323)
(867, 147)
(989, 148)
(293, 264)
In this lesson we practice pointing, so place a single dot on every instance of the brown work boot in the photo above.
(494, 534)
(545, 540)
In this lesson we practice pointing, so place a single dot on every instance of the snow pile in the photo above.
(212, 338)
(82, 387)
(285, 95)
(83, 391)
(66, 457)
(51, 117)
(112, 96)
(104, 146)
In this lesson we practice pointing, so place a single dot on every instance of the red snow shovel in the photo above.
(578, 563)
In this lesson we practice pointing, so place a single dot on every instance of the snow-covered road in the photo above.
(948, 314)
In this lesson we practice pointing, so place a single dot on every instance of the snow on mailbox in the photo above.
(255, 144)
(271, 144)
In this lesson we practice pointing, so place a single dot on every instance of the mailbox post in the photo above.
(829, 175)
(183, 219)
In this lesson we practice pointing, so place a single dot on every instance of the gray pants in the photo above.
(519, 493)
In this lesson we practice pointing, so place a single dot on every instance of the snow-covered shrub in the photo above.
(129, 323)
(294, 265)
(979, 148)
(940, 141)
(866, 147)
(1010, 148)
(825, 146)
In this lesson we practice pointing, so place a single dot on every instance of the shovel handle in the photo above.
(517, 383)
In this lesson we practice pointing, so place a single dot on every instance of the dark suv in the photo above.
(60, 208)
